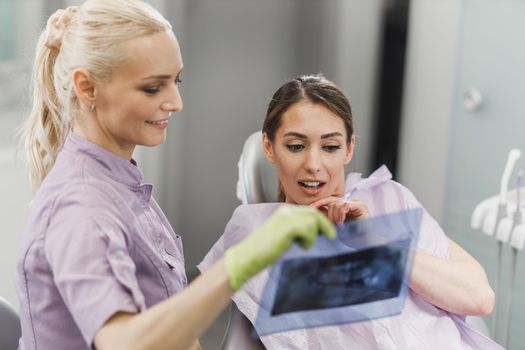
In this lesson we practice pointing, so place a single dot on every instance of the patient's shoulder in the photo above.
(258, 211)
(380, 192)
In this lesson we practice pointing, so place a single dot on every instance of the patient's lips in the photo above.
(311, 186)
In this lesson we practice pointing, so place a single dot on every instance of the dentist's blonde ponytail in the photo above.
(91, 37)
(45, 130)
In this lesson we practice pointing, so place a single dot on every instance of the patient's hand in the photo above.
(340, 210)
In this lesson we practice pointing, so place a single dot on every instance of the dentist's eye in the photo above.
(151, 90)
(178, 81)
(332, 148)
(295, 147)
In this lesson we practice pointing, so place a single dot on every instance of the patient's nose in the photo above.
(312, 163)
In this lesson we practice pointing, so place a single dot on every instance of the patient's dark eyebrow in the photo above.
(295, 134)
(302, 136)
(332, 134)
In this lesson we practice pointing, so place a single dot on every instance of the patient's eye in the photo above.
(331, 148)
(295, 147)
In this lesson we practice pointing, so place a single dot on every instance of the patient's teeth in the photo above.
(311, 183)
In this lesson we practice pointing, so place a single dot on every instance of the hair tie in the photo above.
(56, 25)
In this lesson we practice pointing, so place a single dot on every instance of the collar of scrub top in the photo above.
(117, 168)
(355, 181)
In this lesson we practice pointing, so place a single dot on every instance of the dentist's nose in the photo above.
(173, 102)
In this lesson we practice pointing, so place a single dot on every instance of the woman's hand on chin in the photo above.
(340, 210)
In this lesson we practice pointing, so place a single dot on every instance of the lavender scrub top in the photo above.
(420, 326)
(96, 243)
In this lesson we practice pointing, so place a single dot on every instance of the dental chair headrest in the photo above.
(258, 181)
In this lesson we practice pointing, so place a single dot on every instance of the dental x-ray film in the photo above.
(362, 275)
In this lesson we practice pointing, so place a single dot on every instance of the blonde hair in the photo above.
(93, 39)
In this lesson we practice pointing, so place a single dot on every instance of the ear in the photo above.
(84, 87)
(350, 150)
(268, 148)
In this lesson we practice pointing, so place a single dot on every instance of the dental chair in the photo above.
(258, 183)
(10, 331)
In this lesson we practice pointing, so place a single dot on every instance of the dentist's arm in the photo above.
(458, 284)
(177, 322)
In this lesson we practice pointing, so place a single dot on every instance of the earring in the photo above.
(93, 106)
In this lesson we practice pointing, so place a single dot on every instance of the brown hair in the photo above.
(314, 88)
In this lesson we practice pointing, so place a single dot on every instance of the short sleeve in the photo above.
(86, 247)
(237, 228)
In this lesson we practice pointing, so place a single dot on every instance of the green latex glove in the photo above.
(265, 245)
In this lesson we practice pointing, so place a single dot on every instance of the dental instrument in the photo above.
(516, 220)
(493, 218)
(489, 214)
(513, 157)
(517, 240)
(481, 211)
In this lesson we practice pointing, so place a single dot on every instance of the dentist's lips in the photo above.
(159, 124)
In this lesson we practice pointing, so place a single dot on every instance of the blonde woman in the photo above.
(100, 266)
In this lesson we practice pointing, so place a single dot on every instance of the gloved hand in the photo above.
(265, 245)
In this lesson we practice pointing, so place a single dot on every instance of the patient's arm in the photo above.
(457, 284)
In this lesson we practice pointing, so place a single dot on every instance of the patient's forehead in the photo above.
(311, 119)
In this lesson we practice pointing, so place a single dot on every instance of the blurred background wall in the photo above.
(236, 55)
(405, 66)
